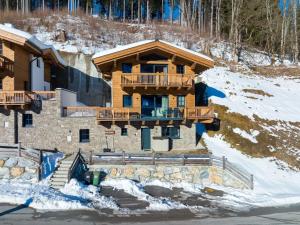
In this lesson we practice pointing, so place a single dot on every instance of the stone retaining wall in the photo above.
(204, 175)
(18, 168)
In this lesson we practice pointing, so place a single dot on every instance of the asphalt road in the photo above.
(15, 215)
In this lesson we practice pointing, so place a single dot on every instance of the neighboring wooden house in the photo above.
(25, 67)
(153, 86)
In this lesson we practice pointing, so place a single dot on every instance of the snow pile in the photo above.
(277, 101)
(251, 137)
(40, 196)
(274, 182)
(136, 189)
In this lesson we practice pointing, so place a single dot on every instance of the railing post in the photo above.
(153, 158)
(19, 149)
(224, 162)
(183, 160)
(251, 181)
(123, 157)
(91, 158)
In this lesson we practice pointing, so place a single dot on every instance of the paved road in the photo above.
(16, 215)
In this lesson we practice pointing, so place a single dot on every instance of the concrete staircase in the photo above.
(60, 176)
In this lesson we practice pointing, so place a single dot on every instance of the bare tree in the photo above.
(212, 19)
(218, 29)
(295, 45)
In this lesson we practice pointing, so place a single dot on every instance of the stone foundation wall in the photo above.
(18, 168)
(203, 175)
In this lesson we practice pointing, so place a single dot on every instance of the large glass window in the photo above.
(126, 68)
(170, 132)
(180, 69)
(84, 135)
(27, 120)
(180, 101)
(154, 68)
(127, 101)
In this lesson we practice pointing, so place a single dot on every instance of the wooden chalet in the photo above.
(25, 67)
(153, 81)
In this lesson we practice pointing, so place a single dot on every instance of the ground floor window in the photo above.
(27, 120)
(124, 132)
(84, 135)
(170, 132)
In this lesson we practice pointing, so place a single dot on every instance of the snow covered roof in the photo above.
(8, 32)
(154, 43)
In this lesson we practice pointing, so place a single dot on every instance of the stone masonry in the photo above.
(52, 131)
(203, 175)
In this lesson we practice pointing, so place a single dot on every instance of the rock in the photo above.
(2, 162)
(30, 170)
(128, 171)
(213, 192)
(28, 176)
(177, 176)
(168, 170)
(4, 158)
(144, 172)
(4, 172)
(159, 174)
(17, 171)
(61, 35)
(11, 162)
(25, 163)
(113, 172)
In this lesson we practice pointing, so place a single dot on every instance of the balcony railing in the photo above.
(123, 114)
(157, 80)
(15, 98)
(24, 97)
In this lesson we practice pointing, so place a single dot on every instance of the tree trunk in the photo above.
(124, 10)
(283, 27)
(162, 10)
(199, 15)
(139, 11)
(296, 48)
(110, 10)
(172, 9)
(218, 29)
(132, 17)
(212, 19)
(148, 12)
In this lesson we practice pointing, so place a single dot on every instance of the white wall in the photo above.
(37, 76)
(68, 98)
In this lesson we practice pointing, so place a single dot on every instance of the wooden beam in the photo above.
(193, 66)
(115, 63)
(173, 58)
(138, 57)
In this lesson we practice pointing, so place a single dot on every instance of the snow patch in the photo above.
(251, 137)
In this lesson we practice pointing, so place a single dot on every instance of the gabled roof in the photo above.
(142, 46)
(7, 32)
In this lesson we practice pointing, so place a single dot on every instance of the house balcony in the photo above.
(156, 80)
(23, 98)
(196, 114)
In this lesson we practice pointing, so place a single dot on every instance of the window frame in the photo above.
(124, 131)
(179, 101)
(38, 63)
(86, 138)
(126, 64)
(27, 120)
(131, 103)
(1, 47)
(168, 132)
(180, 69)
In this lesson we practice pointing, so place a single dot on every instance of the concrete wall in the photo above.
(203, 175)
(37, 73)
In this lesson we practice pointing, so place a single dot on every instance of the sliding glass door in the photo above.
(154, 105)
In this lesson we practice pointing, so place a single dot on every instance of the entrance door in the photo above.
(146, 139)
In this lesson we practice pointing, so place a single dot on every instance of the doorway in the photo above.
(146, 139)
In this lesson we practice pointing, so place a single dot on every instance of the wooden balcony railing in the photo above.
(157, 80)
(15, 98)
(199, 113)
(24, 97)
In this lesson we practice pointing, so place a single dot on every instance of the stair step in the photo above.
(56, 186)
(58, 183)
(61, 180)
(60, 175)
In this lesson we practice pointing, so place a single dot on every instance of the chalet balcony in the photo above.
(156, 80)
(22, 98)
(198, 114)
